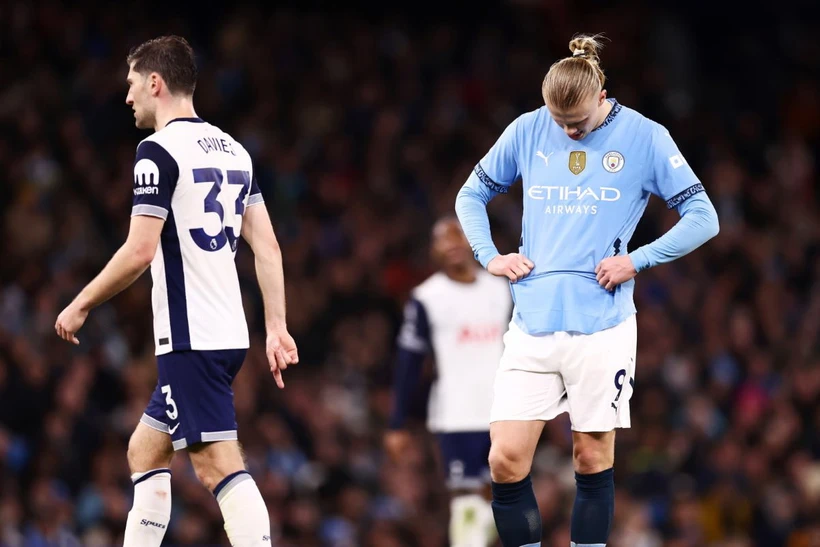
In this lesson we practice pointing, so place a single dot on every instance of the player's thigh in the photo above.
(599, 375)
(193, 401)
(213, 461)
(149, 449)
(527, 384)
(593, 452)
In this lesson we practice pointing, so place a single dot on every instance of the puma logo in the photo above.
(545, 158)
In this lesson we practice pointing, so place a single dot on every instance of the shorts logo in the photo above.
(577, 161)
(613, 161)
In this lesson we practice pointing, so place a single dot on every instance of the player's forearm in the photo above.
(471, 209)
(697, 225)
(271, 277)
(122, 270)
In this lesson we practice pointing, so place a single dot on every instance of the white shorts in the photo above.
(591, 376)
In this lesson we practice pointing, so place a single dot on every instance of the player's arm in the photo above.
(493, 175)
(413, 347)
(257, 230)
(155, 176)
(127, 264)
(673, 180)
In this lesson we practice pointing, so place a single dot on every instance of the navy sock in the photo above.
(593, 509)
(516, 514)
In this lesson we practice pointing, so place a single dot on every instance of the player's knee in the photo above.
(508, 463)
(146, 452)
(591, 458)
(213, 462)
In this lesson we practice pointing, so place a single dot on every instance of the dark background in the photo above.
(364, 121)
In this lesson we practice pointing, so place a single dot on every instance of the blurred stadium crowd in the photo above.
(362, 130)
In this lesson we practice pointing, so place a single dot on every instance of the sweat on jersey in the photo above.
(462, 326)
(200, 181)
(582, 202)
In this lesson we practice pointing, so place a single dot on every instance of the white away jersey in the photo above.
(200, 180)
(463, 325)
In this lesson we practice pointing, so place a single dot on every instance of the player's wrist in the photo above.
(275, 327)
(639, 260)
(83, 303)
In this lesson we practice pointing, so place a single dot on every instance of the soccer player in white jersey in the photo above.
(458, 316)
(588, 166)
(194, 194)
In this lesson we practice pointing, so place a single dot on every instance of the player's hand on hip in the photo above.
(69, 322)
(513, 266)
(280, 349)
(615, 270)
(396, 444)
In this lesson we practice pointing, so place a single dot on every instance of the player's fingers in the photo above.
(529, 263)
(511, 275)
(75, 341)
(277, 376)
(525, 268)
(284, 359)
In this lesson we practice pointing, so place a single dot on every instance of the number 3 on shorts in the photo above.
(172, 414)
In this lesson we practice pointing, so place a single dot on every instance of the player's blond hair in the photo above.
(572, 79)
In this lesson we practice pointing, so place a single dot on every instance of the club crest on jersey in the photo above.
(613, 161)
(577, 161)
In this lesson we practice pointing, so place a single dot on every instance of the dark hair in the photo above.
(169, 56)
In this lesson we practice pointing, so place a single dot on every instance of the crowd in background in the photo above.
(362, 130)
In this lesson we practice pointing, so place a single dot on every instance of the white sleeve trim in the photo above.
(150, 210)
(255, 199)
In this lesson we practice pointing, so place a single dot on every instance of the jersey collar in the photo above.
(192, 120)
(616, 108)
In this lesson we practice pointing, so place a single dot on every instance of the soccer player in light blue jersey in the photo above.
(588, 166)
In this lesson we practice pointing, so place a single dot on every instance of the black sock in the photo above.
(593, 509)
(516, 513)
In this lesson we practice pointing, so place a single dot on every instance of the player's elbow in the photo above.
(711, 224)
(143, 253)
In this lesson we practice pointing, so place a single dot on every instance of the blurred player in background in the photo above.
(194, 194)
(588, 167)
(458, 316)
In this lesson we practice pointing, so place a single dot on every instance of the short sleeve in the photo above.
(498, 169)
(255, 196)
(671, 178)
(155, 177)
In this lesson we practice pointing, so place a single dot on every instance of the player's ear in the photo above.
(602, 97)
(155, 83)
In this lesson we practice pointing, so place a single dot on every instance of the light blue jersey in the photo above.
(582, 202)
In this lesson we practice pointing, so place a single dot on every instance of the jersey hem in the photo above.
(202, 347)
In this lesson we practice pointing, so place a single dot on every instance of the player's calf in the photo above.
(592, 513)
(221, 469)
(149, 456)
(514, 506)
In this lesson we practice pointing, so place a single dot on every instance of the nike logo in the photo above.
(171, 430)
(545, 158)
